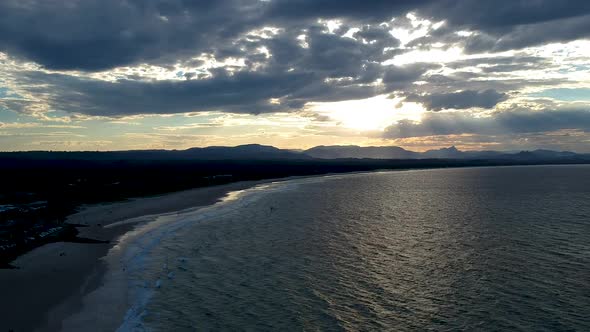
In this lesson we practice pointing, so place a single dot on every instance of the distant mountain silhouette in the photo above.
(353, 151)
(249, 151)
(241, 152)
(445, 153)
(394, 152)
(265, 152)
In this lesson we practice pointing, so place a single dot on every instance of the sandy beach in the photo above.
(51, 281)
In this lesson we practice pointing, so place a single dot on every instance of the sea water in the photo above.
(504, 248)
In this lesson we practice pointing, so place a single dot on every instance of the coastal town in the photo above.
(25, 225)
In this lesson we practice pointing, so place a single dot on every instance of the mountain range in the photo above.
(395, 152)
(264, 152)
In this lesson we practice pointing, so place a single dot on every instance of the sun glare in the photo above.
(375, 113)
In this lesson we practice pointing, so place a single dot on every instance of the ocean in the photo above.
(498, 248)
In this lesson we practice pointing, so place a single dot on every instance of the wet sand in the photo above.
(52, 280)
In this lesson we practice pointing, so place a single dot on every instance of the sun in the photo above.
(370, 114)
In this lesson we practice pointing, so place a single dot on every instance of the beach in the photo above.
(180, 261)
(51, 281)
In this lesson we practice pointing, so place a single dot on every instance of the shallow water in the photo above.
(504, 248)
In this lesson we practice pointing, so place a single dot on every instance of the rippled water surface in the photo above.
(479, 248)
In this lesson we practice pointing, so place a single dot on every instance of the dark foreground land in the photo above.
(39, 191)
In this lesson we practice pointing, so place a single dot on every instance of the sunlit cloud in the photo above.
(368, 114)
(292, 75)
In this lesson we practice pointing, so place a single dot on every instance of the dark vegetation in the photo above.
(39, 189)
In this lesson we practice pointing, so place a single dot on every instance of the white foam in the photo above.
(130, 256)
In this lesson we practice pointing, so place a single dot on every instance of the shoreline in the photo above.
(65, 272)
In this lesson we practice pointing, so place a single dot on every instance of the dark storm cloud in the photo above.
(504, 14)
(330, 55)
(509, 25)
(530, 35)
(101, 34)
(484, 15)
(459, 100)
(399, 77)
(404, 74)
(95, 35)
(329, 68)
(356, 10)
(442, 84)
(504, 24)
(336, 56)
(499, 123)
(240, 93)
(516, 60)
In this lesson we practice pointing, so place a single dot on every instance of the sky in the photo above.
(174, 74)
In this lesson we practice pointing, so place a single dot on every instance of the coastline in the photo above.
(65, 272)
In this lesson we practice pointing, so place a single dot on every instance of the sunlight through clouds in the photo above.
(368, 114)
(312, 71)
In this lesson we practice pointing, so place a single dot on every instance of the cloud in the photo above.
(502, 24)
(481, 15)
(506, 25)
(239, 93)
(517, 61)
(503, 14)
(498, 123)
(25, 125)
(96, 57)
(465, 79)
(350, 9)
(399, 77)
(95, 35)
(530, 35)
(329, 68)
(459, 100)
(329, 55)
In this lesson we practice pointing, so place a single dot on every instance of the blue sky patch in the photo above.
(8, 116)
(582, 94)
(6, 93)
